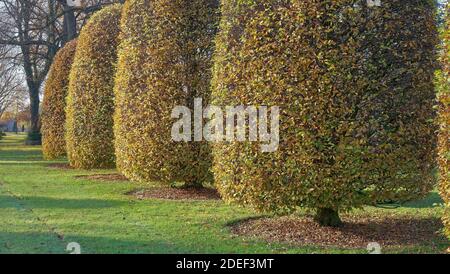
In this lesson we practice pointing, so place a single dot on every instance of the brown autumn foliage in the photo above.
(53, 117)
(164, 61)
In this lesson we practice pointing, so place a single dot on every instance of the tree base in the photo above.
(328, 217)
(33, 139)
(192, 186)
(33, 143)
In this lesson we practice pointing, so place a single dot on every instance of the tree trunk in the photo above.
(33, 91)
(34, 109)
(328, 217)
(71, 24)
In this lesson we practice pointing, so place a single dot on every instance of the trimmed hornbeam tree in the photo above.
(354, 84)
(54, 103)
(90, 104)
(444, 122)
(164, 62)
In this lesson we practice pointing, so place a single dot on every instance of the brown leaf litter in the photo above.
(116, 177)
(173, 193)
(356, 232)
(59, 166)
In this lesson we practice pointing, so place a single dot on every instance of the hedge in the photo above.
(444, 119)
(53, 105)
(90, 103)
(164, 62)
(355, 89)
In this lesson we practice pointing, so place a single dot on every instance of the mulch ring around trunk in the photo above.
(356, 232)
(175, 193)
(59, 166)
(105, 177)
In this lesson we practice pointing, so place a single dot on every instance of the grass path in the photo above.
(44, 209)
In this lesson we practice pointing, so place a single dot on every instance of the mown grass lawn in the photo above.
(43, 209)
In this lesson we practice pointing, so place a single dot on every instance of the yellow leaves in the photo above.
(90, 103)
(443, 83)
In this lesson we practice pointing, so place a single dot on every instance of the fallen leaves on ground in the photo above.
(356, 232)
(172, 193)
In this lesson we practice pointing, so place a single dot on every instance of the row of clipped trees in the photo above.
(355, 85)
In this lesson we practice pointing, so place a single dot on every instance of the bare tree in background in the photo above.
(10, 82)
(75, 17)
(33, 31)
(9, 89)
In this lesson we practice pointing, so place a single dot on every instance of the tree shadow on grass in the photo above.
(46, 202)
(50, 243)
(20, 155)
(22, 164)
(31, 243)
(433, 200)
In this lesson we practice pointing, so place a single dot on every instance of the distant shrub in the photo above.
(53, 106)
(164, 61)
(90, 103)
(444, 120)
(355, 88)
